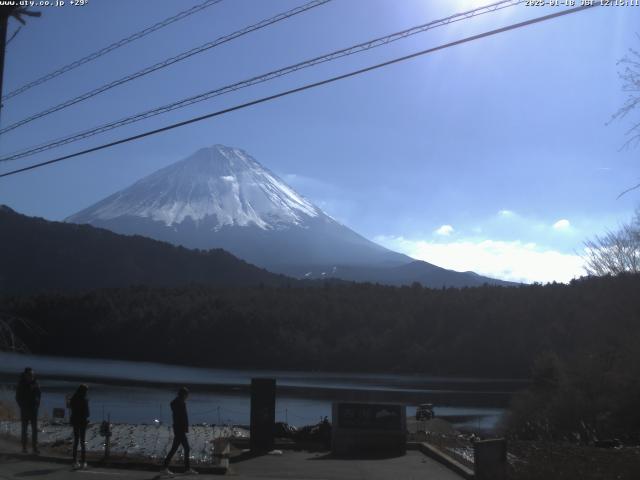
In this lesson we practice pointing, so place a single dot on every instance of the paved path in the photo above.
(312, 466)
(12, 469)
(289, 466)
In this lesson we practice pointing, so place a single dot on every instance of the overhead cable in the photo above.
(303, 88)
(110, 48)
(361, 47)
(166, 63)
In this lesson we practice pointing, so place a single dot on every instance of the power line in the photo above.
(290, 69)
(361, 47)
(110, 48)
(305, 87)
(13, 35)
(167, 62)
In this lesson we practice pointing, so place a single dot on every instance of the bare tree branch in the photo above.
(628, 190)
(615, 252)
(630, 76)
(9, 341)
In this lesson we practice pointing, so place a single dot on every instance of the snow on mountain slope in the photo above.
(220, 197)
(219, 181)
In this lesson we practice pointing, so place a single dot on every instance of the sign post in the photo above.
(263, 414)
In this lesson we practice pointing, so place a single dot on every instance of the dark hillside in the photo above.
(37, 255)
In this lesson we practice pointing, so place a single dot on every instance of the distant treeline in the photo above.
(579, 343)
(485, 331)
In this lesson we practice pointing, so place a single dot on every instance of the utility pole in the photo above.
(6, 12)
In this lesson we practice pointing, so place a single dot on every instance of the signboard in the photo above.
(366, 428)
(369, 416)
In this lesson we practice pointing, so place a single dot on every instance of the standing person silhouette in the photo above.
(28, 398)
(180, 430)
(79, 405)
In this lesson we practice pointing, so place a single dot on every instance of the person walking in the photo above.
(324, 429)
(180, 430)
(79, 405)
(28, 398)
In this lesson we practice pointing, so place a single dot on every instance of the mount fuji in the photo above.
(221, 197)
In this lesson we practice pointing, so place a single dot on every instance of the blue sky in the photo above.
(492, 156)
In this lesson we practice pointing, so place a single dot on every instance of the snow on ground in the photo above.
(129, 440)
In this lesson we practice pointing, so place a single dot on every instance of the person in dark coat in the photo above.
(324, 430)
(79, 405)
(28, 398)
(180, 430)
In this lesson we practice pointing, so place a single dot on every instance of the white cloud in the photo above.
(506, 213)
(444, 230)
(507, 260)
(562, 224)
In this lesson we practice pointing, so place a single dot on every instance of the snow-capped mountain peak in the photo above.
(217, 183)
(220, 197)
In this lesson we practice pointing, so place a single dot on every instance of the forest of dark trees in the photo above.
(579, 342)
(482, 331)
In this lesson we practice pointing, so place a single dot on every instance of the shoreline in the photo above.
(384, 387)
(461, 398)
(435, 380)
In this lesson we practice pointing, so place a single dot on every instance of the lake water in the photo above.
(138, 392)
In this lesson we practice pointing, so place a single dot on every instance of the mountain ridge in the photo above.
(41, 255)
(221, 197)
